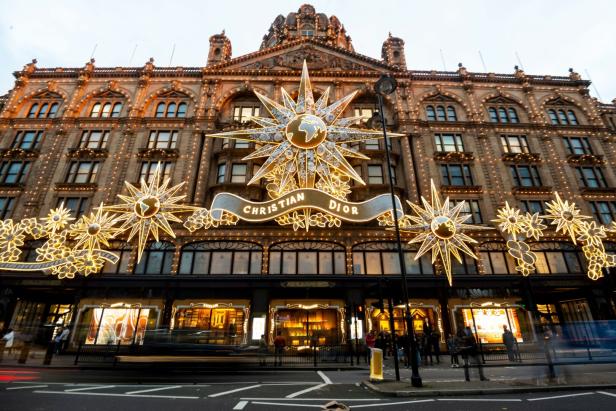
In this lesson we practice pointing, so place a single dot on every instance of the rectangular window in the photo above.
(514, 144)
(448, 142)
(163, 139)
(77, 205)
(591, 177)
(394, 177)
(81, 172)
(532, 206)
(364, 111)
(456, 175)
(14, 172)
(242, 144)
(371, 144)
(6, 207)
(238, 173)
(375, 174)
(220, 173)
(94, 139)
(149, 167)
(28, 140)
(471, 207)
(525, 176)
(243, 113)
(577, 145)
(603, 211)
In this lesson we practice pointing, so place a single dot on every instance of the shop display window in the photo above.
(488, 323)
(422, 318)
(301, 326)
(220, 325)
(123, 326)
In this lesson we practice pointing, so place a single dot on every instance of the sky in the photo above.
(545, 36)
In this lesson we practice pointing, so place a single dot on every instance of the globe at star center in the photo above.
(306, 131)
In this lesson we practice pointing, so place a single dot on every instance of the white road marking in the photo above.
(326, 379)
(171, 387)
(380, 404)
(307, 399)
(598, 392)
(560, 396)
(219, 394)
(110, 394)
(482, 399)
(282, 404)
(298, 393)
(240, 405)
(27, 386)
(94, 387)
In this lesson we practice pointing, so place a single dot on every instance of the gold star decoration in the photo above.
(565, 216)
(305, 143)
(441, 230)
(57, 219)
(94, 231)
(149, 208)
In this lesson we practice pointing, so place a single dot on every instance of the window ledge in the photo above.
(454, 156)
(537, 190)
(14, 186)
(85, 152)
(598, 190)
(76, 187)
(521, 158)
(447, 189)
(585, 159)
(18, 153)
(158, 153)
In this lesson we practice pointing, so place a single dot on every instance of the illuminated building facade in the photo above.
(74, 135)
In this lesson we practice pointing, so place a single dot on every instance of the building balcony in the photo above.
(521, 158)
(533, 190)
(454, 156)
(449, 189)
(159, 153)
(88, 153)
(18, 153)
(76, 187)
(585, 159)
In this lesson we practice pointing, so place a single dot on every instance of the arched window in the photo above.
(451, 114)
(33, 110)
(493, 115)
(160, 109)
(171, 110)
(553, 116)
(106, 110)
(440, 113)
(502, 115)
(181, 110)
(96, 110)
(43, 111)
(221, 257)
(558, 258)
(382, 259)
(572, 118)
(123, 250)
(513, 115)
(156, 259)
(496, 259)
(117, 108)
(307, 257)
(562, 117)
(53, 110)
(430, 113)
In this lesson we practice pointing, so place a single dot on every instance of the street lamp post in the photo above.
(384, 86)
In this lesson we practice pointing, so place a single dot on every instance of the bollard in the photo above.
(49, 353)
(376, 364)
(25, 350)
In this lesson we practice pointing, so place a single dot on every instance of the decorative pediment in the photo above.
(558, 101)
(110, 94)
(172, 94)
(440, 98)
(47, 95)
(318, 56)
(501, 100)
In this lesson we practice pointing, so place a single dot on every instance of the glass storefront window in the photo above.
(300, 326)
(307, 257)
(488, 323)
(123, 326)
(422, 317)
(204, 325)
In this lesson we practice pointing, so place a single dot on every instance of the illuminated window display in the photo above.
(421, 316)
(118, 325)
(300, 326)
(488, 323)
(210, 325)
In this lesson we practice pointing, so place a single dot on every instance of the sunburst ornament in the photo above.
(304, 144)
(57, 219)
(93, 232)
(565, 216)
(441, 230)
(510, 221)
(149, 208)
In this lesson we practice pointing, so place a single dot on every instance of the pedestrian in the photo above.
(509, 341)
(370, 343)
(436, 345)
(427, 348)
(262, 350)
(470, 354)
(279, 344)
(60, 340)
(9, 339)
(452, 346)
